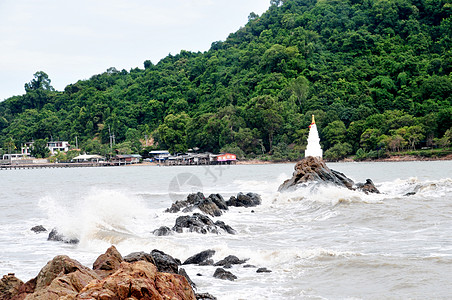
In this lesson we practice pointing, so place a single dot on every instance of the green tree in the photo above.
(39, 149)
(338, 151)
(334, 133)
(173, 132)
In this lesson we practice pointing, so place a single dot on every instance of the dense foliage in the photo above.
(376, 73)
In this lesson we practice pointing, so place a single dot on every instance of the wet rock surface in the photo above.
(230, 260)
(138, 275)
(9, 286)
(242, 200)
(165, 262)
(163, 231)
(54, 235)
(263, 270)
(65, 278)
(107, 263)
(212, 205)
(199, 257)
(38, 229)
(201, 224)
(205, 296)
(313, 169)
(223, 274)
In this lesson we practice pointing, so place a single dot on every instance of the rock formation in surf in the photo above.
(314, 169)
(139, 275)
(112, 278)
(214, 205)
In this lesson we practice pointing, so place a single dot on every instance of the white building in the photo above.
(61, 146)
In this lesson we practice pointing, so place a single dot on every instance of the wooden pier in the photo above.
(52, 165)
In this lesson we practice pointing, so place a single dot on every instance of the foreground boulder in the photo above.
(65, 278)
(61, 278)
(313, 169)
(9, 286)
(139, 280)
(108, 263)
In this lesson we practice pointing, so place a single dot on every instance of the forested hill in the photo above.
(376, 74)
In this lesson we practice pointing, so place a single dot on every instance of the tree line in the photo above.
(376, 74)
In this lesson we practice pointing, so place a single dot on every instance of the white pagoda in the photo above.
(313, 148)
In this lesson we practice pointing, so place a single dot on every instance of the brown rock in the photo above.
(61, 278)
(313, 169)
(139, 280)
(107, 263)
(9, 286)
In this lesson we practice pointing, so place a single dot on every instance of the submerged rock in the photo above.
(199, 257)
(223, 274)
(242, 200)
(205, 296)
(38, 229)
(162, 231)
(230, 260)
(367, 187)
(313, 169)
(263, 270)
(54, 235)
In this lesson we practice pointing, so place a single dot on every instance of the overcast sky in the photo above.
(72, 40)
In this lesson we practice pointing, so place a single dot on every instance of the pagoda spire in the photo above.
(313, 148)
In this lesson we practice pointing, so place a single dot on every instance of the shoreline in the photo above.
(394, 158)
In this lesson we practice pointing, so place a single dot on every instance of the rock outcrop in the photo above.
(112, 278)
(9, 286)
(313, 169)
(108, 263)
(201, 224)
(212, 205)
(139, 280)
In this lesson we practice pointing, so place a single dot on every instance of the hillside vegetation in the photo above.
(376, 74)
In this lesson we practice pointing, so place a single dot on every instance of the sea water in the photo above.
(320, 242)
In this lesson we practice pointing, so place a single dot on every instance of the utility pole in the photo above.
(109, 133)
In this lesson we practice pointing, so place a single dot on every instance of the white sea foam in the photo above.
(315, 239)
